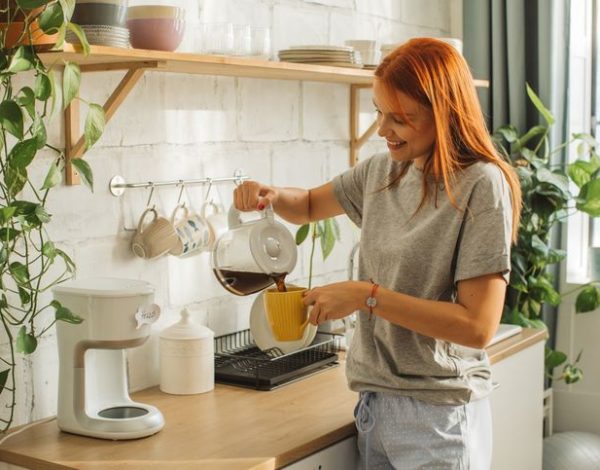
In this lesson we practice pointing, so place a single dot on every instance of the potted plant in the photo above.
(547, 201)
(30, 264)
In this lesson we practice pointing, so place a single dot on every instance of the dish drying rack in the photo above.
(238, 361)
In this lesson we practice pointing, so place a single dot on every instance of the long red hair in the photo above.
(433, 73)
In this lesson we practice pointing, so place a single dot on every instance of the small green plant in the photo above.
(327, 231)
(547, 201)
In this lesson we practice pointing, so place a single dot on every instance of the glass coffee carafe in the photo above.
(252, 255)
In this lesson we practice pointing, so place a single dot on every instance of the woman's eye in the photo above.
(398, 121)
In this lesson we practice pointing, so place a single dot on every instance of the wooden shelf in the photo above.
(136, 62)
(111, 58)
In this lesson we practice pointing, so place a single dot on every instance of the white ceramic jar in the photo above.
(187, 362)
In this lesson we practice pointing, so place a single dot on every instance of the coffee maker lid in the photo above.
(273, 247)
(105, 287)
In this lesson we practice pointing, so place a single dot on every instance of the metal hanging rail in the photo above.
(118, 185)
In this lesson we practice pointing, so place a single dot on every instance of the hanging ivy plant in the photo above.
(30, 264)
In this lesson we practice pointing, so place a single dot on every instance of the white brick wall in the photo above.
(178, 126)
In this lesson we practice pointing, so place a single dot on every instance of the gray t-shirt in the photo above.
(423, 255)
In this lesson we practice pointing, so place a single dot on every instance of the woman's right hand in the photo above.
(252, 195)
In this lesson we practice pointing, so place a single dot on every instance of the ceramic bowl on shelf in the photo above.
(156, 27)
(97, 13)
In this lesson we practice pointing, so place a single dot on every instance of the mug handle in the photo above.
(141, 225)
(212, 205)
(177, 208)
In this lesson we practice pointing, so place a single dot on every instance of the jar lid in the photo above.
(185, 328)
(273, 247)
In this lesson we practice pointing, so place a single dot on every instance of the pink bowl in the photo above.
(160, 34)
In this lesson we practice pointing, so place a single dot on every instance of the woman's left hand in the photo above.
(337, 300)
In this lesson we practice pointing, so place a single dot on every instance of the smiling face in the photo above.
(410, 134)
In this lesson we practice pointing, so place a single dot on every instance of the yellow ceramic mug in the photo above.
(287, 314)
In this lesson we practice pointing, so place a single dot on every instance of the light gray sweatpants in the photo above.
(403, 433)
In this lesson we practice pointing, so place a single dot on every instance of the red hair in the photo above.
(435, 75)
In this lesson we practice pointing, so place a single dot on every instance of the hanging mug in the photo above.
(193, 232)
(155, 238)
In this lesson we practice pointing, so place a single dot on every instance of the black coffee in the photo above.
(245, 283)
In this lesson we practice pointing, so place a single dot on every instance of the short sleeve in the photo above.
(485, 239)
(349, 189)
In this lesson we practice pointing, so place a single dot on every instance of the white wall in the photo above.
(178, 126)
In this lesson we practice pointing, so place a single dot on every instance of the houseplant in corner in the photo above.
(30, 264)
(547, 201)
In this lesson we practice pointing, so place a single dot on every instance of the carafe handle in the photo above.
(234, 218)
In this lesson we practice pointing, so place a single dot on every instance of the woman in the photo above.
(437, 214)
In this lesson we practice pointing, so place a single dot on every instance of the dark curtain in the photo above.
(513, 42)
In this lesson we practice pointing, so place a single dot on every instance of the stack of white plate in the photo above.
(339, 56)
(102, 35)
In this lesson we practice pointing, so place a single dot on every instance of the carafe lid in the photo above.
(186, 329)
(273, 247)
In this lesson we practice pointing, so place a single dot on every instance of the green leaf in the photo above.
(336, 229)
(587, 300)
(6, 214)
(85, 171)
(3, 379)
(26, 342)
(41, 214)
(24, 296)
(327, 239)
(11, 118)
(64, 314)
(26, 99)
(546, 176)
(8, 233)
(68, 6)
(547, 115)
(52, 18)
(554, 358)
(508, 133)
(85, 45)
(21, 155)
(31, 4)
(94, 124)
(588, 200)
(22, 60)
(43, 87)
(49, 250)
(572, 374)
(71, 81)
(531, 133)
(19, 273)
(580, 172)
(68, 261)
(302, 233)
(53, 177)
(39, 133)
(15, 179)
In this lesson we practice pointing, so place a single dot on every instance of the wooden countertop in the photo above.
(230, 428)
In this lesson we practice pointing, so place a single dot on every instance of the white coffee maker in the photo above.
(93, 396)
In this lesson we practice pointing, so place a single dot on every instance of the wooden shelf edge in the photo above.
(182, 62)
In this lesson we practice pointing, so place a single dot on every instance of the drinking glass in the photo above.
(260, 43)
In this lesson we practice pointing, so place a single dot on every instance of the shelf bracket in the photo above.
(74, 138)
(357, 140)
